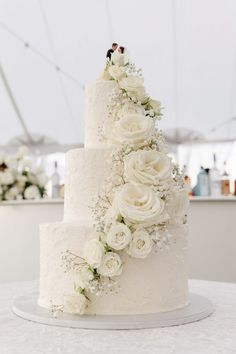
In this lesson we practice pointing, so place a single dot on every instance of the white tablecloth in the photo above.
(213, 335)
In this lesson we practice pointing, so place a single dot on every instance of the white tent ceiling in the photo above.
(187, 49)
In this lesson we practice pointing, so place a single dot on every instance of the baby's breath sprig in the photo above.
(56, 310)
(71, 261)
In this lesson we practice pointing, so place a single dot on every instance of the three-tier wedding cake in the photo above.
(121, 247)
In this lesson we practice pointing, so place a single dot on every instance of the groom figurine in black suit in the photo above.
(110, 51)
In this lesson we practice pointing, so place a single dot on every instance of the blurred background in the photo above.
(50, 49)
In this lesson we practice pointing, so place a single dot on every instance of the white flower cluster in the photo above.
(143, 198)
(17, 180)
(132, 112)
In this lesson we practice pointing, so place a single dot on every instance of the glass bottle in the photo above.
(225, 182)
(55, 182)
(203, 183)
(215, 179)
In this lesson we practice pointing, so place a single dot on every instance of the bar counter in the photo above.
(212, 237)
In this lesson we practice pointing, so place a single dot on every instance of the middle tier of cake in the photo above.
(86, 172)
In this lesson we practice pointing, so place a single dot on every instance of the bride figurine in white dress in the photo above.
(118, 56)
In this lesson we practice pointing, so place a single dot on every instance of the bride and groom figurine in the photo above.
(116, 54)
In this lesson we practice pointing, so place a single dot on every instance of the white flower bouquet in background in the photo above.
(17, 178)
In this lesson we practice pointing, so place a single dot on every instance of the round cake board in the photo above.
(198, 308)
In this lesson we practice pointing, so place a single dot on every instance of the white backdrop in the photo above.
(187, 49)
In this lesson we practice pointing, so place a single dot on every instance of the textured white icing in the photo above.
(158, 283)
(86, 170)
(96, 101)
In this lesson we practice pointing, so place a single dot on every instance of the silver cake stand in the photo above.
(198, 308)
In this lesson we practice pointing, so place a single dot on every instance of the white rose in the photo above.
(32, 192)
(93, 253)
(39, 169)
(139, 95)
(177, 205)
(6, 177)
(116, 71)
(139, 204)
(112, 213)
(111, 265)
(111, 217)
(133, 129)
(12, 193)
(75, 303)
(141, 244)
(133, 85)
(21, 180)
(148, 167)
(130, 108)
(156, 106)
(85, 276)
(42, 179)
(119, 236)
(32, 178)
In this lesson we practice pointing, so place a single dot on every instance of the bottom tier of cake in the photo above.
(155, 284)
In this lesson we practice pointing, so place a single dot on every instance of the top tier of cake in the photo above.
(96, 110)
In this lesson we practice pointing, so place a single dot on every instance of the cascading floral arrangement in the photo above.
(142, 202)
(17, 179)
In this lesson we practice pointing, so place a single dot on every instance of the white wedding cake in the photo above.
(122, 245)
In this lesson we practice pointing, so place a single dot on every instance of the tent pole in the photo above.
(14, 104)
